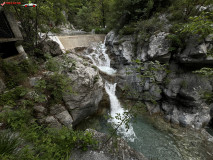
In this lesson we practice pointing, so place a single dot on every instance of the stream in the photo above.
(149, 135)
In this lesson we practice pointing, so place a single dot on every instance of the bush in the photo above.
(46, 143)
(16, 73)
(127, 30)
(11, 97)
(52, 65)
(147, 27)
(55, 85)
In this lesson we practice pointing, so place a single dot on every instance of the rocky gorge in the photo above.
(178, 91)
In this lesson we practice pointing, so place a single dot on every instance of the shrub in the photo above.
(52, 65)
(16, 73)
(147, 27)
(11, 97)
(55, 85)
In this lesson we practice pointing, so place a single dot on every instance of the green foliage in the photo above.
(93, 14)
(52, 65)
(55, 85)
(201, 25)
(15, 119)
(205, 72)
(16, 73)
(208, 97)
(46, 143)
(9, 144)
(181, 10)
(149, 69)
(176, 42)
(101, 30)
(11, 97)
(96, 78)
(127, 30)
(146, 28)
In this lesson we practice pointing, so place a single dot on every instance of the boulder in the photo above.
(87, 86)
(51, 47)
(158, 46)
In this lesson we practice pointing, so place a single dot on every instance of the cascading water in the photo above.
(117, 110)
(102, 61)
(155, 138)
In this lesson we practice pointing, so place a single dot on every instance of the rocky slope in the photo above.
(177, 91)
(87, 93)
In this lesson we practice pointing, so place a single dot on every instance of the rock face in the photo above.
(87, 93)
(116, 149)
(178, 93)
(87, 88)
(196, 51)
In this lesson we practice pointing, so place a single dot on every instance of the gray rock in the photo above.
(88, 90)
(52, 122)
(40, 109)
(33, 81)
(51, 47)
(158, 45)
(56, 109)
(2, 86)
(167, 108)
(153, 108)
(175, 116)
(173, 88)
(211, 110)
(155, 91)
(65, 118)
(196, 51)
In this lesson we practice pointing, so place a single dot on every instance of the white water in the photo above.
(117, 110)
(102, 61)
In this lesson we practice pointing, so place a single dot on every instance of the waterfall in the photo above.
(116, 109)
(102, 61)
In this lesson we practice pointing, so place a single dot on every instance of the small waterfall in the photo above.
(116, 109)
(102, 61)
